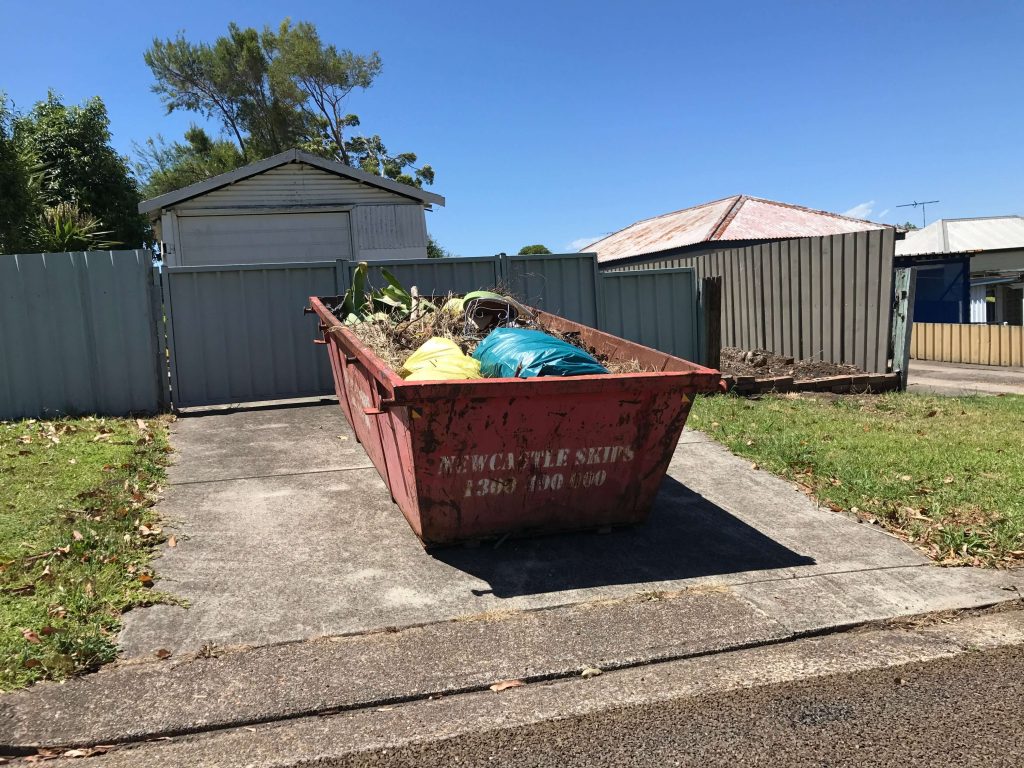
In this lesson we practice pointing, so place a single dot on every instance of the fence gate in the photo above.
(237, 334)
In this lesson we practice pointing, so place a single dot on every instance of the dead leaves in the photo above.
(504, 685)
(45, 753)
(589, 672)
(163, 653)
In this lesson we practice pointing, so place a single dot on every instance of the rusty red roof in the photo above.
(739, 217)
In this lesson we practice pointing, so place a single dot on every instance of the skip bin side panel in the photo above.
(337, 358)
(362, 398)
(525, 464)
(398, 453)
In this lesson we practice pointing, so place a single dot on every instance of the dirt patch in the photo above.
(763, 364)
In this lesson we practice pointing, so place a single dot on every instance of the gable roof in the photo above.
(739, 217)
(291, 156)
(987, 233)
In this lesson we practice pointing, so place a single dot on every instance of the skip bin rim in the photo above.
(695, 379)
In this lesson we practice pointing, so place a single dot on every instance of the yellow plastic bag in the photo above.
(439, 359)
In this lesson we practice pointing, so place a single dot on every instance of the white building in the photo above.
(292, 207)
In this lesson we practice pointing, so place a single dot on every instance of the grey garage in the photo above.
(292, 207)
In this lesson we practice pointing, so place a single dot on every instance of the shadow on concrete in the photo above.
(685, 537)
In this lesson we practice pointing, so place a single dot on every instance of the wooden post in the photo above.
(903, 321)
(711, 308)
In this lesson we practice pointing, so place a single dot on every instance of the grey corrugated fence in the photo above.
(77, 334)
(85, 332)
(656, 308)
(814, 298)
(562, 283)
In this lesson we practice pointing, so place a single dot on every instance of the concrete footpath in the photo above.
(308, 596)
(940, 691)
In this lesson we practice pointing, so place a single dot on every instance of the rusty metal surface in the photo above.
(739, 217)
(477, 459)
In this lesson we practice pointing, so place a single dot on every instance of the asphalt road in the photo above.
(929, 376)
(962, 711)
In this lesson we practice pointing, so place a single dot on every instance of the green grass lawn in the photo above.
(76, 534)
(947, 474)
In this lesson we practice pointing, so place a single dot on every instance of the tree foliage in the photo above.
(63, 181)
(17, 204)
(435, 250)
(167, 166)
(537, 249)
(271, 91)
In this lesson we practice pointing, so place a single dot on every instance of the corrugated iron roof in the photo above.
(989, 233)
(739, 217)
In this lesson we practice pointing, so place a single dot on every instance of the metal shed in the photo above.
(292, 207)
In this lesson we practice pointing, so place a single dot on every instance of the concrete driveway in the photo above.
(959, 379)
(285, 532)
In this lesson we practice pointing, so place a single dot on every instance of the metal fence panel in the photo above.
(656, 308)
(237, 333)
(968, 343)
(77, 334)
(563, 284)
(818, 298)
(437, 277)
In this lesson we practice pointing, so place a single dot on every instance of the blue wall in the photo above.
(943, 292)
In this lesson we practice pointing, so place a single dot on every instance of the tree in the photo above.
(533, 249)
(17, 204)
(435, 250)
(906, 226)
(277, 89)
(326, 76)
(70, 148)
(169, 166)
(228, 81)
(370, 155)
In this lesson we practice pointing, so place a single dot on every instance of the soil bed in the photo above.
(763, 364)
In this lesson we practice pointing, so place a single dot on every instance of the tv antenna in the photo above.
(923, 203)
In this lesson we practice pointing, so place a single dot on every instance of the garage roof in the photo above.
(291, 156)
(739, 217)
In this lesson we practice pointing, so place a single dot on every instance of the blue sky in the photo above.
(556, 122)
